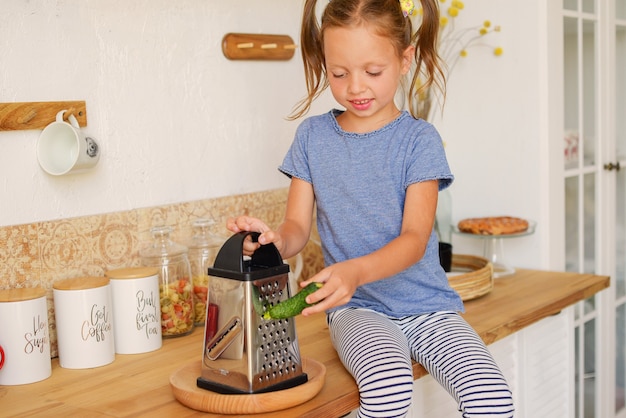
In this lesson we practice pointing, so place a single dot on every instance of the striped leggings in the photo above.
(377, 351)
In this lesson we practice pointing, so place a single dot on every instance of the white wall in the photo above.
(177, 121)
(493, 125)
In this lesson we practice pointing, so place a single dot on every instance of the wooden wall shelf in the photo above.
(37, 115)
(248, 46)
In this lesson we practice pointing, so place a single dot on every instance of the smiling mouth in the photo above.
(360, 102)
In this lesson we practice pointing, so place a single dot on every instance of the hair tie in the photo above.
(407, 7)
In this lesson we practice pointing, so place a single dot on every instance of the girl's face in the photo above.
(364, 72)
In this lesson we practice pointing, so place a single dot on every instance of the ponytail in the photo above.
(427, 61)
(313, 58)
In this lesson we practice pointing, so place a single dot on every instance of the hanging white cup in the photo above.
(63, 147)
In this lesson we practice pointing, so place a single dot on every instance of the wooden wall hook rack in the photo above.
(248, 46)
(37, 115)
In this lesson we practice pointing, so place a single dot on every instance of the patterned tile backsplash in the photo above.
(41, 253)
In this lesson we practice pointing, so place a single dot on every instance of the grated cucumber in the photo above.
(292, 306)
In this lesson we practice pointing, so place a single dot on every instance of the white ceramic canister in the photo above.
(136, 309)
(84, 321)
(24, 336)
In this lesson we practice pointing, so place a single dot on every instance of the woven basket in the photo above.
(472, 276)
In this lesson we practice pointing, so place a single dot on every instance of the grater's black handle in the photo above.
(230, 256)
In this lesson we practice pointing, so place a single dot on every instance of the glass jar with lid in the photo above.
(175, 281)
(203, 248)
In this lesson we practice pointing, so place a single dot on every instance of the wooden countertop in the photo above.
(138, 385)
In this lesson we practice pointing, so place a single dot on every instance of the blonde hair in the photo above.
(387, 16)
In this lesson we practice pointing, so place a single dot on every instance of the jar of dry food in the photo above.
(203, 248)
(175, 281)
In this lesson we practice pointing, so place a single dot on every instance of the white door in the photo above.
(617, 167)
(595, 200)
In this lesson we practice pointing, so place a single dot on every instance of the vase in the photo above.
(443, 226)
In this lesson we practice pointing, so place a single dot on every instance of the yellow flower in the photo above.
(453, 44)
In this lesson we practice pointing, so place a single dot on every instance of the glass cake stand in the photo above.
(493, 248)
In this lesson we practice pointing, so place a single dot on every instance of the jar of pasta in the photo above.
(175, 281)
(203, 248)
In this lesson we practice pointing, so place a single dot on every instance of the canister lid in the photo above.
(18, 295)
(132, 273)
(162, 246)
(202, 238)
(81, 283)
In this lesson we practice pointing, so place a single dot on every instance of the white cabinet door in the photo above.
(546, 359)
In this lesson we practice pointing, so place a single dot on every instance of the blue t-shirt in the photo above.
(360, 183)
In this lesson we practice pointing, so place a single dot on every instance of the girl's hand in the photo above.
(250, 224)
(340, 282)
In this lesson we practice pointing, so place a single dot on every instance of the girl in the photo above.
(373, 173)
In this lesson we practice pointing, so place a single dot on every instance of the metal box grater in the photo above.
(244, 353)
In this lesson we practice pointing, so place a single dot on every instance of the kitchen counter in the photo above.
(138, 385)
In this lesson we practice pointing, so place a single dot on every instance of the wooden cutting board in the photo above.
(183, 383)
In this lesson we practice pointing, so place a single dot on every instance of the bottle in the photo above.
(203, 248)
(443, 217)
(175, 282)
(443, 224)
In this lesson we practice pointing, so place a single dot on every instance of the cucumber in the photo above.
(292, 306)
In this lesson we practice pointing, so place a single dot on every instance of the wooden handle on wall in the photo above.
(248, 46)
(37, 115)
